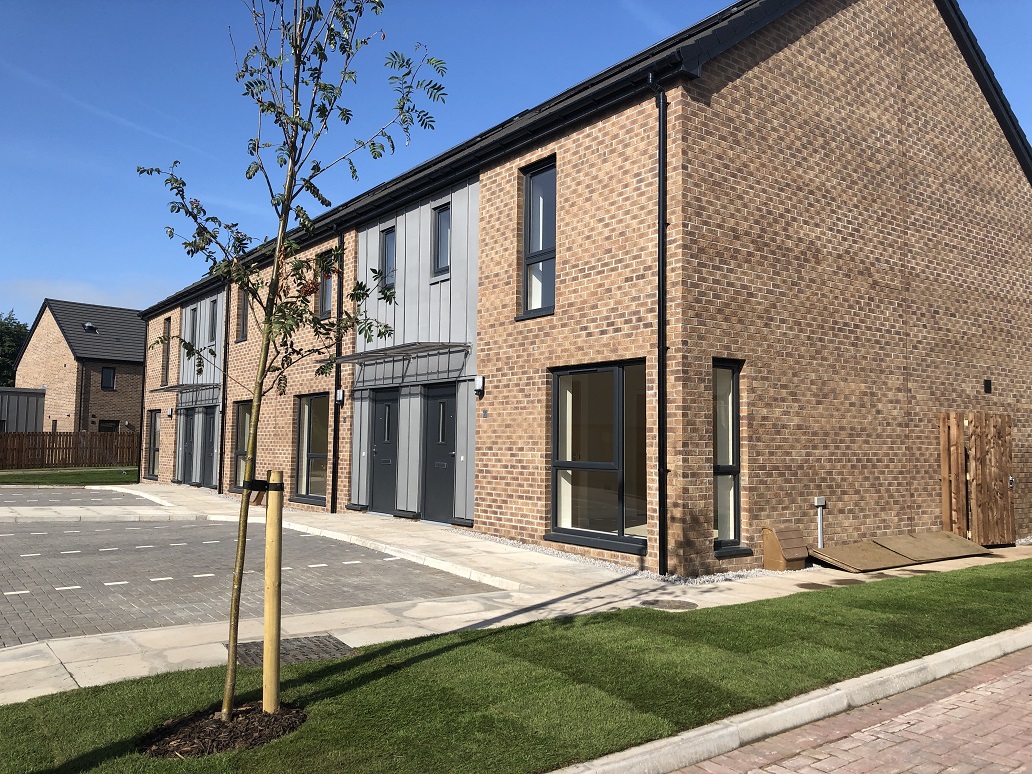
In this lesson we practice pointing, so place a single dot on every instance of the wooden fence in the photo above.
(29, 451)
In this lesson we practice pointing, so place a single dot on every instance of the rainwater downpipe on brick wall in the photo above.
(661, 340)
(337, 389)
(227, 290)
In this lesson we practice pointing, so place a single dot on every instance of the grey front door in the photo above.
(439, 453)
(384, 463)
(187, 476)
(208, 447)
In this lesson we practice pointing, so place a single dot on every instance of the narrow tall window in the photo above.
(243, 425)
(107, 378)
(153, 441)
(325, 299)
(313, 446)
(442, 239)
(166, 336)
(388, 256)
(726, 454)
(539, 242)
(213, 318)
(193, 326)
(243, 312)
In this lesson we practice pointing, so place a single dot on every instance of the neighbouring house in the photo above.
(185, 398)
(757, 266)
(21, 410)
(89, 360)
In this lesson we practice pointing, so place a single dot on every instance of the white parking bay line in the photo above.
(145, 546)
(317, 565)
(37, 533)
(209, 541)
(155, 580)
(116, 583)
(177, 544)
(14, 593)
(352, 562)
(23, 556)
(66, 588)
(70, 531)
(134, 527)
(71, 552)
(205, 575)
(392, 558)
(7, 534)
(108, 549)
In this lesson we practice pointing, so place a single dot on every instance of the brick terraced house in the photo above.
(89, 360)
(746, 268)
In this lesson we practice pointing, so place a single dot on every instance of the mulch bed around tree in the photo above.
(204, 733)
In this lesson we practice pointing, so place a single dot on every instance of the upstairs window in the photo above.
(166, 336)
(107, 378)
(243, 312)
(193, 326)
(539, 241)
(324, 301)
(442, 239)
(388, 256)
(213, 317)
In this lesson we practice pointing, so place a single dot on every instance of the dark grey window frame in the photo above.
(239, 444)
(440, 267)
(166, 333)
(620, 542)
(193, 314)
(541, 256)
(153, 442)
(388, 274)
(213, 319)
(324, 297)
(111, 425)
(243, 311)
(106, 384)
(308, 456)
(732, 547)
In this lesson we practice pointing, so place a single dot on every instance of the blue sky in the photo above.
(89, 91)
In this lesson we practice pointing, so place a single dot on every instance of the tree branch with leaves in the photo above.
(303, 58)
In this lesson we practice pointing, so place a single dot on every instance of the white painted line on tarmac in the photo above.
(392, 558)
(23, 556)
(75, 500)
(317, 565)
(70, 531)
(96, 499)
(116, 583)
(71, 552)
(352, 562)
(155, 580)
(37, 533)
(145, 546)
(66, 588)
(307, 534)
(134, 527)
(14, 593)
(205, 575)
(109, 549)
(106, 529)
(209, 541)
(248, 572)
(177, 544)
(286, 568)
(162, 527)
(7, 534)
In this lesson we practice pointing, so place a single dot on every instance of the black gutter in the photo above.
(661, 337)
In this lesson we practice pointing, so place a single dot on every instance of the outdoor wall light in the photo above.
(170, 413)
(478, 386)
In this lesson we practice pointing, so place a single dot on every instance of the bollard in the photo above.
(273, 572)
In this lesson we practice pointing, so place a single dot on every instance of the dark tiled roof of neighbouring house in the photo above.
(95, 332)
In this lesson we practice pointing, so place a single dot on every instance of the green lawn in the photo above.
(71, 476)
(535, 697)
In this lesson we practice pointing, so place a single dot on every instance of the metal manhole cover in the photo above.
(295, 650)
(669, 604)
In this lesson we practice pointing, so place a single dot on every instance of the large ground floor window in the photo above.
(726, 455)
(313, 446)
(241, 426)
(153, 442)
(599, 477)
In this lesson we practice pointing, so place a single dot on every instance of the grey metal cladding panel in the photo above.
(410, 433)
(360, 450)
(472, 266)
(465, 402)
(211, 372)
(456, 328)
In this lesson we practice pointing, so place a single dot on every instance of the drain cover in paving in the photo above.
(669, 604)
(295, 650)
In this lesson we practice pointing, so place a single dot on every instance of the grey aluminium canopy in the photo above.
(407, 351)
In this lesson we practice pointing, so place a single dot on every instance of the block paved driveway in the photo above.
(63, 579)
(976, 721)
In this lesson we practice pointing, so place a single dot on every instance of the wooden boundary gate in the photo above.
(29, 451)
(976, 476)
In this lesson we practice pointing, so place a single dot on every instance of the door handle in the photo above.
(374, 451)
(451, 454)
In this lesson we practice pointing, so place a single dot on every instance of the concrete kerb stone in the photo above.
(705, 742)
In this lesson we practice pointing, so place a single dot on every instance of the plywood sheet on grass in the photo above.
(930, 546)
(859, 557)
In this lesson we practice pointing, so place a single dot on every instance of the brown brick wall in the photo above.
(47, 360)
(847, 218)
(121, 404)
(163, 401)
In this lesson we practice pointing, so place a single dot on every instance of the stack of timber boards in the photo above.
(885, 553)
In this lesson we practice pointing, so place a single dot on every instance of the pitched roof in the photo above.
(203, 286)
(95, 332)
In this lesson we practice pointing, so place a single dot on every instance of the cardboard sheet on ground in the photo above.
(886, 553)
(931, 546)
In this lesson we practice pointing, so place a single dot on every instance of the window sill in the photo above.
(731, 552)
(356, 507)
(240, 341)
(150, 478)
(307, 500)
(622, 545)
(441, 276)
(545, 311)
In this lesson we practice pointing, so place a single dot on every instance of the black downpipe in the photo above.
(226, 330)
(661, 338)
(335, 464)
